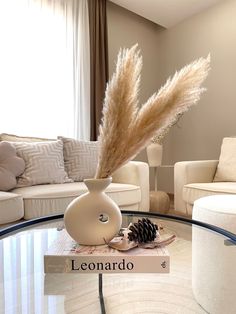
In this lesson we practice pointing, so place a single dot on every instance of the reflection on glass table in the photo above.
(24, 288)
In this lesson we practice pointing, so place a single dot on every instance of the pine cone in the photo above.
(143, 231)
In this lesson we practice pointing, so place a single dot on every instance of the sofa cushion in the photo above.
(80, 158)
(11, 166)
(226, 169)
(194, 191)
(11, 207)
(44, 163)
(43, 200)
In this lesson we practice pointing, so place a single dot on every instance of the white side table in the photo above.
(159, 200)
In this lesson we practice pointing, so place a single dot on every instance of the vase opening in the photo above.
(97, 184)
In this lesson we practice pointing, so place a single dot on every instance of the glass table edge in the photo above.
(21, 225)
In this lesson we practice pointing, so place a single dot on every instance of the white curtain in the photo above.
(44, 68)
(82, 72)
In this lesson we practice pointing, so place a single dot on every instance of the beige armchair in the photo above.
(193, 180)
(196, 179)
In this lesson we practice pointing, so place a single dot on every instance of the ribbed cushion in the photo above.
(11, 207)
(43, 200)
(194, 191)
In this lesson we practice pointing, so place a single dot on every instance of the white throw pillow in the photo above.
(80, 157)
(226, 170)
(44, 163)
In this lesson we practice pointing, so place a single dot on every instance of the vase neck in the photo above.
(97, 185)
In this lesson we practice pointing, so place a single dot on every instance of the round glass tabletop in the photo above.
(202, 276)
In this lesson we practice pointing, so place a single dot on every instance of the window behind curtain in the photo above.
(36, 67)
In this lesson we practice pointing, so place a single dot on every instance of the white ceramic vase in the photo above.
(93, 217)
(154, 154)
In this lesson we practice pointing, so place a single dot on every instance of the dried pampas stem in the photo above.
(119, 109)
(125, 130)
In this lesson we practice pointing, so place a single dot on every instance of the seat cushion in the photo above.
(11, 207)
(49, 199)
(194, 191)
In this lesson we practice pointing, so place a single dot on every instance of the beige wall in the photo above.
(199, 133)
(126, 29)
(201, 130)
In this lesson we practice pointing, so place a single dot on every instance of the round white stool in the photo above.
(213, 263)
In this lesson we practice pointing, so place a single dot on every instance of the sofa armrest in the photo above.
(186, 172)
(136, 173)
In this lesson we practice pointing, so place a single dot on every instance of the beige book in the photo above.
(65, 256)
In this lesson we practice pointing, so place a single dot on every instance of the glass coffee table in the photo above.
(198, 249)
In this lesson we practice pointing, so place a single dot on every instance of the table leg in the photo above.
(101, 299)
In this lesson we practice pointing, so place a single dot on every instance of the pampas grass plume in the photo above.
(125, 129)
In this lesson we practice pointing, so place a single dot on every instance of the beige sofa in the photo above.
(129, 189)
(193, 180)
